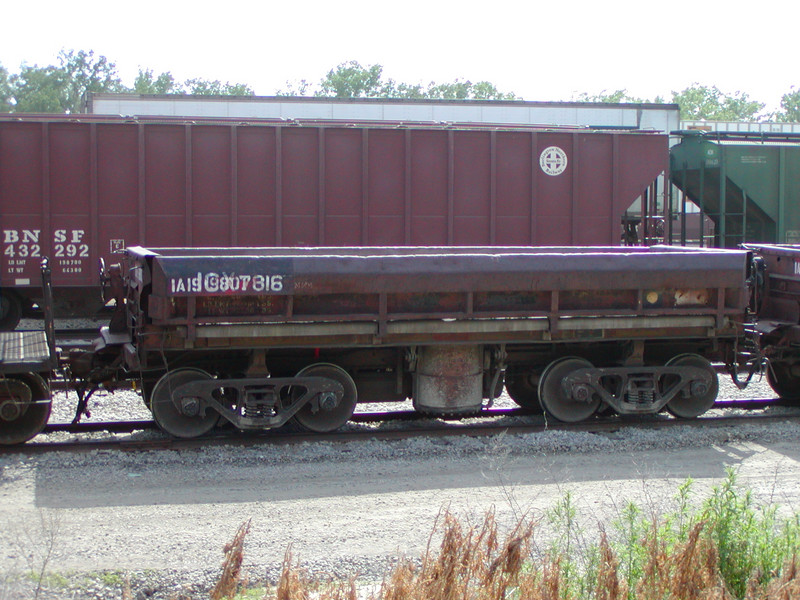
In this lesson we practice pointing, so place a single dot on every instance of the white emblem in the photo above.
(553, 160)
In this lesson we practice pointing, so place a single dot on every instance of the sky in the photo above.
(540, 50)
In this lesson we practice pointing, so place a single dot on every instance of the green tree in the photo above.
(86, 73)
(703, 102)
(410, 90)
(5, 90)
(297, 88)
(483, 90)
(145, 83)
(790, 103)
(205, 87)
(38, 89)
(615, 97)
(466, 90)
(62, 88)
(456, 90)
(351, 80)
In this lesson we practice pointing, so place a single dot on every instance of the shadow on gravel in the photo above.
(314, 471)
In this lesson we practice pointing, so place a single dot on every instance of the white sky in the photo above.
(541, 50)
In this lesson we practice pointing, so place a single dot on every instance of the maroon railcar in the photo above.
(777, 301)
(79, 188)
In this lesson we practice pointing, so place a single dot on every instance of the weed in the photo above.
(37, 543)
(49, 580)
(725, 550)
(112, 578)
(632, 550)
(229, 581)
(750, 541)
(576, 557)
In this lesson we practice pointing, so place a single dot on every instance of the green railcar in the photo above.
(747, 184)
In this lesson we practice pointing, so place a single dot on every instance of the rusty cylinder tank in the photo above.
(448, 380)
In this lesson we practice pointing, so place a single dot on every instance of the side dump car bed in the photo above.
(365, 296)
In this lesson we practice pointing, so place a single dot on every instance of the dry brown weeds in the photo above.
(608, 586)
(293, 584)
(473, 563)
(228, 584)
(785, 587)
(127, 593)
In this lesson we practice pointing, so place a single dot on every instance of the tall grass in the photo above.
(725, 548)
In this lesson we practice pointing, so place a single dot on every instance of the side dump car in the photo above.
(264, 335)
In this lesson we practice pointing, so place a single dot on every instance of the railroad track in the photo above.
(427, 427)
(363, 417)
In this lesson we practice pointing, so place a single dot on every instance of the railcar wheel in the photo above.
(783, 383)
(700, 397)
(24, 408)
(522, 387)
(330, 412)
(561, 403)
(189, 420)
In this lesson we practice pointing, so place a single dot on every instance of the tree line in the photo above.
(62, 87)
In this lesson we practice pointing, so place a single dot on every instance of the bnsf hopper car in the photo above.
(79, 188)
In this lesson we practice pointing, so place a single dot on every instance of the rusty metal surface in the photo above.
(448, 379)
(435, 331)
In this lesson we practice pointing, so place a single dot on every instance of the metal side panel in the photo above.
(427, 332)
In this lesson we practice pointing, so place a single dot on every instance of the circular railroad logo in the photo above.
(553, 160)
